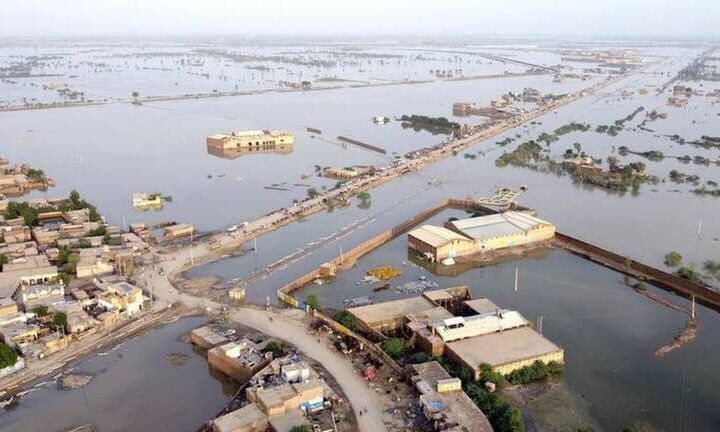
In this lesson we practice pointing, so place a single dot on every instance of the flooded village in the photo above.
(359, 237)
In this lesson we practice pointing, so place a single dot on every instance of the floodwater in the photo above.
(608, 331)
(135, 389)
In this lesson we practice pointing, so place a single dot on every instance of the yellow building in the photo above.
(252, 141)
(122, 297)
(438, 243)
(503, 230)
(141, 199)
(479, 234)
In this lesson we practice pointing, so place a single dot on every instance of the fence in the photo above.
(637, 269)
(379, 353)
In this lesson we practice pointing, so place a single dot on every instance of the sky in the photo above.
(622, 18)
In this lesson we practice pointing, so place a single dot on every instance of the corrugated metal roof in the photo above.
(497, 225)
(435, 236)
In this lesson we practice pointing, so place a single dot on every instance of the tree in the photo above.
(673, 259)
(135, 94)
(73, 260)
(8, 356)
(313, 301)
(3, 260)
(301, 428)
(60, 320)
(395, 347)
(613, 161)
(312, 193)
(577, 147)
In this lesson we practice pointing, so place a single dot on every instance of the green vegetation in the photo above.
(571, 127)
(3, 260)
(21, 209)
(689, 273)
(40, 311)
(712, 268)
(30, 214)
(640, 286)
(488, 375)
(60, 320)
(347, 320)
(673, 259)
(537, 371)
(524, 154)
(313, 301)
(36, 175)
(420, 357)
(112, 241)
(275, 347)
(395, 347)
(365, 200)
(99, 231)
(312, 193)
(75, 202)
(503, 416)
(301, 428)
(8, 356)
(72, 262)
(432, 122)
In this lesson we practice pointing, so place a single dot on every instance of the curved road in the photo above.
(277, 325)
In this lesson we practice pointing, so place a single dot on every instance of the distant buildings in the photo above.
(247, 142)
(479, 234)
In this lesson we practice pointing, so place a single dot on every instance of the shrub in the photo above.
(537, 371)
(8, 356)
(313, 302)
(274, 346)
(346, 319)
(301, 428)
(395, 348)
(420, 357)
(673, 259)
(40, 311)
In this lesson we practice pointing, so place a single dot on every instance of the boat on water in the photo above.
(381, 288)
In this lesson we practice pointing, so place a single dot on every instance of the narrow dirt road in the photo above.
(282, 326)
(293, 331)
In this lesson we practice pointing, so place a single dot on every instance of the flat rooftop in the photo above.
(238, 419)
(481, 305)
(458, 407)
(498, 225)
(391, 309)
(497, 349)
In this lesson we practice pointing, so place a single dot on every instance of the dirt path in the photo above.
(293, 331)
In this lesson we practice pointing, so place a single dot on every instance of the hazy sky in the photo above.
(666, 18)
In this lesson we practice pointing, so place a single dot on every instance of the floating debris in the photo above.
(416, 287)
(384, 273)
(74, 381)
(358, 301)
(177, 359)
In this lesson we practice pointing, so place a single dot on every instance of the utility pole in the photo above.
(192, 258)
(517, 271)
(692, 313)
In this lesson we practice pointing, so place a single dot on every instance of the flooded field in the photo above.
(135, 387)
(608, 331)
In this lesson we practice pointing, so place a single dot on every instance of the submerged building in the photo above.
(448, 322)
(479, 234)
(247, 142)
